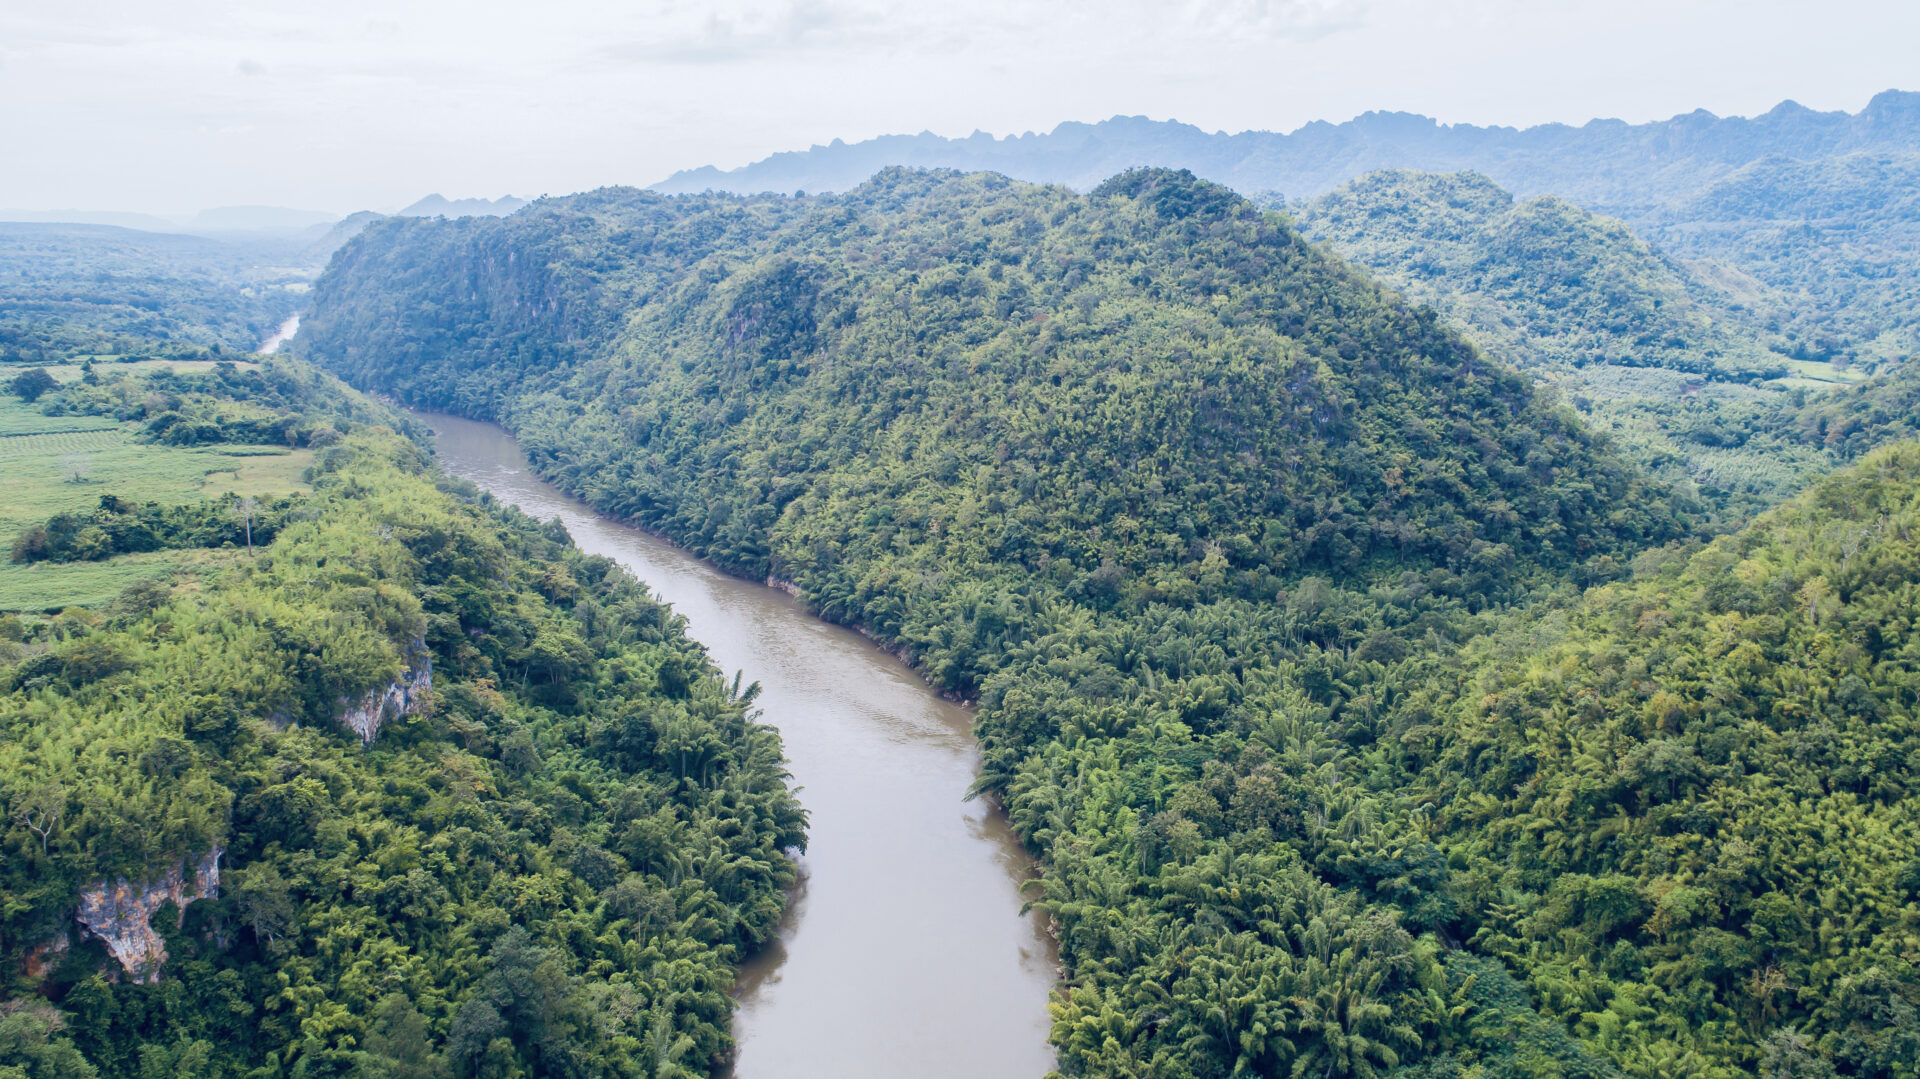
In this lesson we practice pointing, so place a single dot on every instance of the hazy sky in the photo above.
(175, 105)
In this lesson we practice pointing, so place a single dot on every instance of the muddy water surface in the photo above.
(903, 954)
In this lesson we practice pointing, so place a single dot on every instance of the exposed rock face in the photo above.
(120, 912)
(42, 958)
(401, 697)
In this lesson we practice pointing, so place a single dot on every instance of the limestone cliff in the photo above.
(120, 912)
(403, 696)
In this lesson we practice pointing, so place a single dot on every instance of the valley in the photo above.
(1457, 624)
(908, 895)
(1223, 536)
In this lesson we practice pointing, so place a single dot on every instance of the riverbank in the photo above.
(903, 952)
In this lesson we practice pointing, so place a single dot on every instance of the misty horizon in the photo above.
(358, 106)
(231, 218)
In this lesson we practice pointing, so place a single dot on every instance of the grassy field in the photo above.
(1812, 375)
(71, 372)
(54, 464)
(17, 420)
(47, 586)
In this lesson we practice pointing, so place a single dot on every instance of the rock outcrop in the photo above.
(121, 912)
(401, 697)
(42, 958)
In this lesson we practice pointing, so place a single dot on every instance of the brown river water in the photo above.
(903, 953)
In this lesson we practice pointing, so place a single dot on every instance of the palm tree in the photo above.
(664, 1045)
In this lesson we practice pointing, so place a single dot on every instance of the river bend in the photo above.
(902, 953)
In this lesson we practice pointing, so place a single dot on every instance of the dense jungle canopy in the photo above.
(1368, 711)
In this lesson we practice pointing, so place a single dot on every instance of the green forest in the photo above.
(1829, 247)
(1541, 283)
(1697, 370)
(94, 290)
(413, 788)
(1371, 708)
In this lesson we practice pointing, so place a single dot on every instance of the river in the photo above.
(281, 335)
(902, 953)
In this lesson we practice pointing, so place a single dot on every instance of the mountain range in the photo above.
(438, 205)
(1603, 163)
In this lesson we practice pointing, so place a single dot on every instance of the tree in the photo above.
(265, 902)
(32, 1045)
(41, 810)
(248, 506)
(28, 385)
(401, 1042)
(665, 1046)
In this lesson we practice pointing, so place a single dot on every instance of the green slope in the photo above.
(1186, 502)
(547, 861)
(1691, 818)
(1829, 248)
(1542, 283)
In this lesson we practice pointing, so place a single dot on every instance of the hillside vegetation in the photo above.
(1834, 241)
(1686, 812)
(1541, 283)
(561, 833)
(90, 290)
(1238, 553)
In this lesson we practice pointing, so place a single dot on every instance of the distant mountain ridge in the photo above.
(1603, 163)
(438, 205)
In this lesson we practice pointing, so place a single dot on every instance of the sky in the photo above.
(166, 108)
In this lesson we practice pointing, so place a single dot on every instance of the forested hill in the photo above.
(1601, 163)
(1831, 247)
(1194, 509)
(1541, 282)
(1707, 374)
(1156, 370)
(408, 787)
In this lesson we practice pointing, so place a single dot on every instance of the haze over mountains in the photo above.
(257, 222)
(1604, 163)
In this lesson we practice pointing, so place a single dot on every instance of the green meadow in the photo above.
(72, 372)
(56, 464)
